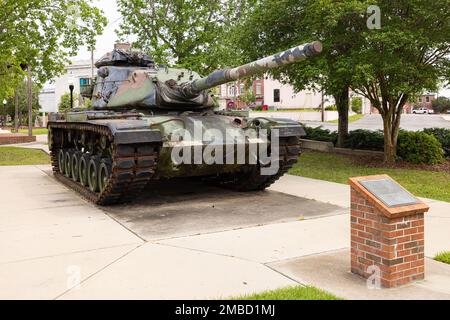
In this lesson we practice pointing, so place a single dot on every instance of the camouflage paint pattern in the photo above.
(146, 99)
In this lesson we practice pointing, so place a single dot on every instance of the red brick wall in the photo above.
(394, 245)
(14, 138)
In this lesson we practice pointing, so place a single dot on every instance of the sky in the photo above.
(106, 41)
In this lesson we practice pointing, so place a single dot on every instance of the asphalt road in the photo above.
(412, 122)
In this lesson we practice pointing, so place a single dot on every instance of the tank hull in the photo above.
(122, 152)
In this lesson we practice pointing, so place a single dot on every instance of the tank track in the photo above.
(132, 165)
(252, 180)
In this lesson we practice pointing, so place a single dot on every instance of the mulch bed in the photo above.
(375, 162)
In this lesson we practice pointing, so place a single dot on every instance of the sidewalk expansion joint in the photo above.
(98, 271)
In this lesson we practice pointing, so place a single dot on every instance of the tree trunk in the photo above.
(342, 102)
(391, 124)
(390, 152)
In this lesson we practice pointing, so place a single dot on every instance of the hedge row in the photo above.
(429, 146)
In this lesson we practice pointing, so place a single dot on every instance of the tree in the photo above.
(408, 55)
(441, 105)
(357, 104)
(43, 34)
(248, 97)
(21, 92)
(186, 33)
(278, 25)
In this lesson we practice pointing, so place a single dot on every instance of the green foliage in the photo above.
(43, 34)
(443, 136)
(248, 97)
(414, 147)
(419, 147)
(443, 257)
(320, 134)
(356, 105)
(441, 105)
(331, 108)
(409, 54)
(186, 33)
(64, 103)
(365, 140)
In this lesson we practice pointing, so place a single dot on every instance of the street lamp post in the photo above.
(4, 113)
(71, 87)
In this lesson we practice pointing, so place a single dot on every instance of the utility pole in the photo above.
(30, 103)
(16, 112)
(92, 62)
(322, 105)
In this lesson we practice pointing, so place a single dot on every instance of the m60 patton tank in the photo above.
(149, 123)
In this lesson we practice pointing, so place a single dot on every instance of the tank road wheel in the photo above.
(93, 169)
(67, 163)
(101, 169)
(75, 166)
(83, 169)
(61, 165)
(104, 174)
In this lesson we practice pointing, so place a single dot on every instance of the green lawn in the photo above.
(291, 293)
(36, 131)
(337, 168)
(12, 156)
(443, 257)
(350, 119)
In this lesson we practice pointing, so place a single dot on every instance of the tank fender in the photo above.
(132, 131)
(285, 127)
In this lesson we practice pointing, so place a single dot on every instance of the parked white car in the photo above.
(422, 111)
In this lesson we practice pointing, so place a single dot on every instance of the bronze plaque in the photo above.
(389, 192)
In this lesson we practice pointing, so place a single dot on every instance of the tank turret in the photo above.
(132, 80)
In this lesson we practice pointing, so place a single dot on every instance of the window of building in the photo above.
(241, 88)
(84, 81)
(231, 90)
(427, 99)
(258, 89)
(276, 95)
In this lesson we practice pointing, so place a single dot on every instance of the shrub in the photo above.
(357, 105)
(331, 108)
(320, 134)
(365, 140)
(419, 147)
(443, 136)
(441, 105)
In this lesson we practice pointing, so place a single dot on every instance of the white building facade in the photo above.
(77, 73)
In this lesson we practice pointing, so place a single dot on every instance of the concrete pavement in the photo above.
(54, 245)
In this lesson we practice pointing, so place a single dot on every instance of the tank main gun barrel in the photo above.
(219, 77)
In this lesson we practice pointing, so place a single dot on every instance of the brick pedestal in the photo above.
(391, 239)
